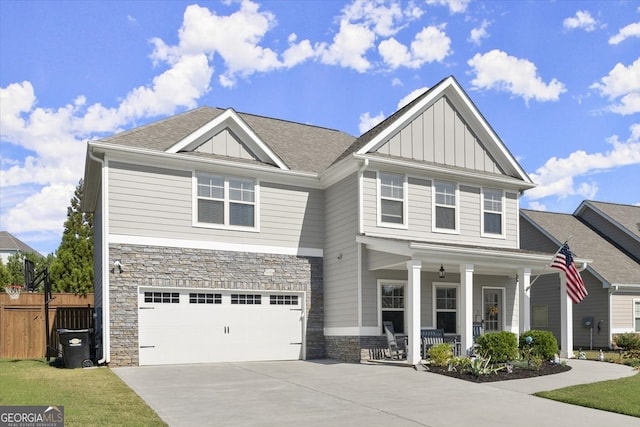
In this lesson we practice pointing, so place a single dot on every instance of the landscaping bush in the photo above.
(499, 346)
(628, 341)
(541, 344)
(440, 354)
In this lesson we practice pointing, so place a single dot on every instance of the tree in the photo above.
(15, 267)
(72, 268)
(5, 277)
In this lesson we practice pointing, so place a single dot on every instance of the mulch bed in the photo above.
(518, 373)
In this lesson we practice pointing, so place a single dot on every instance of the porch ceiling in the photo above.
(486, 260)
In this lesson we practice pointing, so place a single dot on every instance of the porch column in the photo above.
(524, 292)
(566, 320)
(466, 307)
(412, 307)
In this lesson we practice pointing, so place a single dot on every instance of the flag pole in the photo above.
(548, 265)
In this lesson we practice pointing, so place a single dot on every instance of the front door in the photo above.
(492, 308)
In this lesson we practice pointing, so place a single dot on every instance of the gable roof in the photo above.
(10, 243)
(609, 263)
(471, 118)
(625, 217)
(300, 147)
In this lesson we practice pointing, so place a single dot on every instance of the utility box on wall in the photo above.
(587, 322)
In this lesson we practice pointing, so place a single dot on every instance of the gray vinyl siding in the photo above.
(419, 215)
(612, 232)
(546, 291)
(531, 239)
(622, 311)
(98, 240)
(340, 255)
(155, 202)
(595, 305)
(440, 135)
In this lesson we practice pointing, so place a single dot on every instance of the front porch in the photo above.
(449, 287)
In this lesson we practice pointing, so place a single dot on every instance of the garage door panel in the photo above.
(233, 327)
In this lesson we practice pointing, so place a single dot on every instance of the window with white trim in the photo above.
(447, 309)
(391, 198)
(636, 314)
(226, 201)
(392, 305)
(492, 211)
(445, 205)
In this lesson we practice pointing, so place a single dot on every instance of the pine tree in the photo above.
(72, 268)
(5, 277)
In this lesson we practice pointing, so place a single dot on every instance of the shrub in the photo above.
(540, 344)
(499, 346)
(440, 354)
(628, 341)
(480, 366)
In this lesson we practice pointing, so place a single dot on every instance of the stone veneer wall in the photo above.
(153, 266)
(355, 349)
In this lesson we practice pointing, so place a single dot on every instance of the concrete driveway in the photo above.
(327, 393)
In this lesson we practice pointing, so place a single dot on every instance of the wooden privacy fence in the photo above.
(22, 322)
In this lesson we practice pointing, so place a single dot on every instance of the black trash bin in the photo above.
(76, 347)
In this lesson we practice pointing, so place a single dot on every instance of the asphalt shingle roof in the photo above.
(302, 147)
(609, 262)
(628, 216)
(8, 242)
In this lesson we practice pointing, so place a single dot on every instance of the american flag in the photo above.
(575, 286)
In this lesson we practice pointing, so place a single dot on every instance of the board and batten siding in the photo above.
(419, 215)
(226, 143)
(440, 135)
(341, 254)
(149, 201)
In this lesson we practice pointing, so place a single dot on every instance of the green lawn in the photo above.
(92, 396)
(621, 396)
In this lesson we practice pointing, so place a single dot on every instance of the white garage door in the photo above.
(201, 326)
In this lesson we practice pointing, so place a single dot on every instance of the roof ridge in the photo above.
(288, 121)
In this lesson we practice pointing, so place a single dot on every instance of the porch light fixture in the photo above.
(441, 272)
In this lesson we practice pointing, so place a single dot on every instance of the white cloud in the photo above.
(396, 82)
(621, 85)
(497, 70)
(537, 206)
(411, 96)
(582, 19)
(431, 44)
(557, 177)
(479, 33)
(349, 47)
(631, 30)
(35, 212)
(368, 122)
(455, 6)
(383, 19)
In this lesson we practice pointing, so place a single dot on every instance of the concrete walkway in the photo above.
(327, 393)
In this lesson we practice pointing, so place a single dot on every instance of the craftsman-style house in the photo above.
(225, 236)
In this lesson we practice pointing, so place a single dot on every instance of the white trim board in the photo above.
(216, 246)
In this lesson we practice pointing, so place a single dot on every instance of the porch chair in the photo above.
(395, 351)
(478, 330)
(429, 338)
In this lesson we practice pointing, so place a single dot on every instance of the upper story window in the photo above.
(445, 206)
(392, 199)
(226, 201)
(492, 211)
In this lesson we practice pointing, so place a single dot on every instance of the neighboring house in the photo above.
(607, 234)
(9, 245)
(223, 236)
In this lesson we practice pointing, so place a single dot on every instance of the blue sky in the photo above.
(559, 82)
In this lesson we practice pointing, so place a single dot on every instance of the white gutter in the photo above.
(463, 175)
(105, 269)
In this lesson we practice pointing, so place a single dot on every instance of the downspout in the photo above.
(361, 170)
(105, 277)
